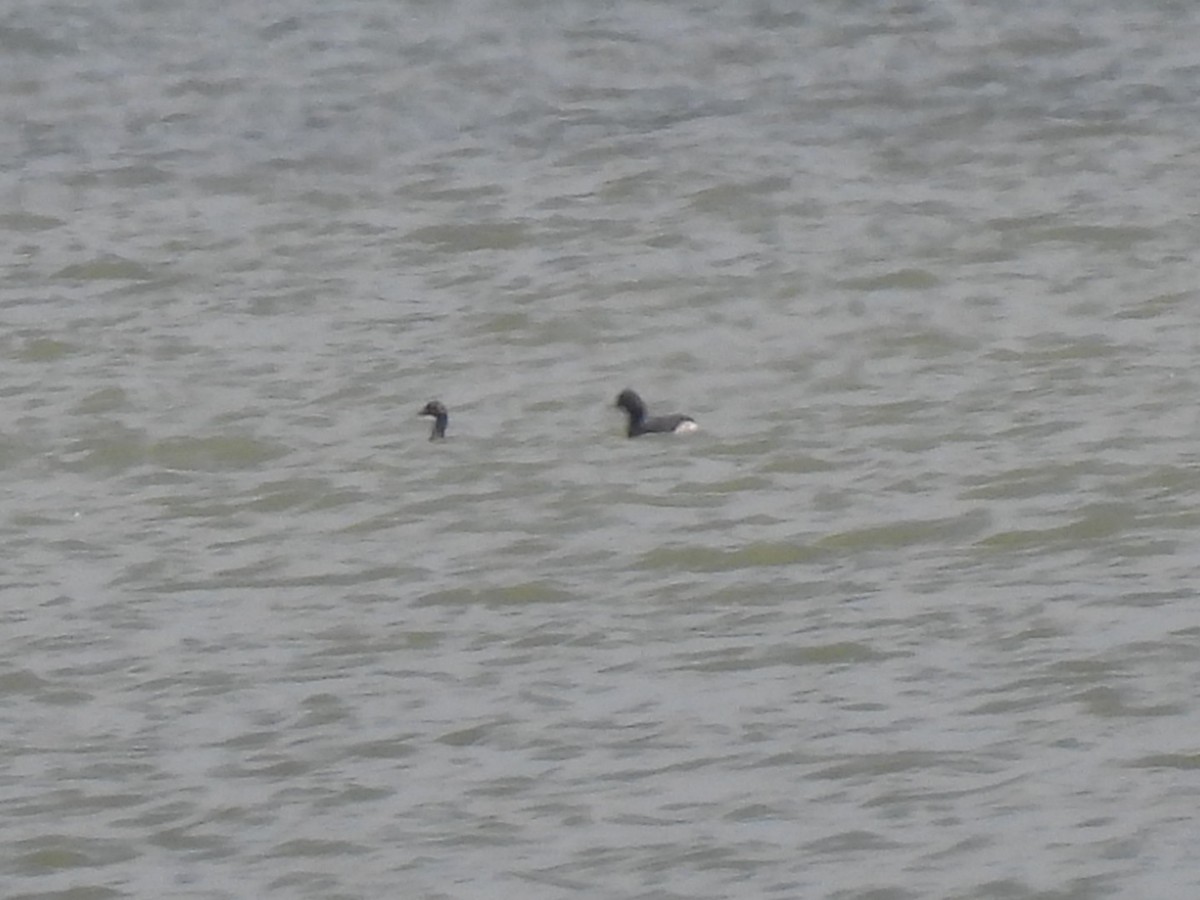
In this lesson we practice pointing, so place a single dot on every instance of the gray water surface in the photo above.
(913, 616)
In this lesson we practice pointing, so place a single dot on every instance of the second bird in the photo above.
(440, 418)
(640, 423)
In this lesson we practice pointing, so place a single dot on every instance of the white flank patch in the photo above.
(686, 427)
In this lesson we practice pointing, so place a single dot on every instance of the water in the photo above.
(912, 616)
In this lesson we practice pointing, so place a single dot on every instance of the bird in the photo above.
(640, 423)
(440, 418)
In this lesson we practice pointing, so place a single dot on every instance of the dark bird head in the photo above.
(440, 418)
(629, 401)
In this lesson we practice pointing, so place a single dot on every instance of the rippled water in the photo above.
(912, 616)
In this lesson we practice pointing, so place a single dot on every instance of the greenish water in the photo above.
(911, 616)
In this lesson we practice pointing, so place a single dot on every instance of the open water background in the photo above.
(913, 616)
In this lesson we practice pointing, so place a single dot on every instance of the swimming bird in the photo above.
(440, 418)
(640, 423)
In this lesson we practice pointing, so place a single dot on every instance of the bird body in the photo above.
(640, 423)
